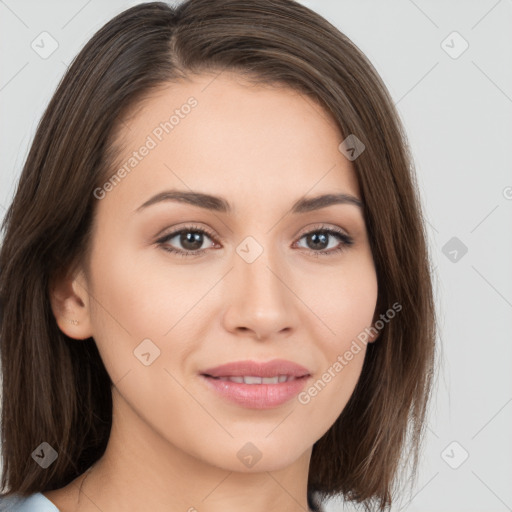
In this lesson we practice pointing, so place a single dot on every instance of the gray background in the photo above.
(457, 111)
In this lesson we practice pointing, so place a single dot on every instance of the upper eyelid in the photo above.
(305, 231)
(302, 232)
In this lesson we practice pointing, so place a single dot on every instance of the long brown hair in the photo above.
(55, 389)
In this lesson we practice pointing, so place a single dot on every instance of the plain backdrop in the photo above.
(448, 66)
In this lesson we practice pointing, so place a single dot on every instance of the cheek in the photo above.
(125, 306)
(345, 301)
(326, 397)
(346, 306)
(136, 297)
(347, 312)
(132, 292)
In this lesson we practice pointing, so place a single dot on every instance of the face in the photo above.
(176, 288)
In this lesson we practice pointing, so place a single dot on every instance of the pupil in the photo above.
(188, 239)
(323, 240)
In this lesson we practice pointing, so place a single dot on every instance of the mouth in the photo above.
(252, 379)
(255, 385)
(251, 371)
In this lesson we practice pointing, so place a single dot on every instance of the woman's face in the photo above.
(258, 287)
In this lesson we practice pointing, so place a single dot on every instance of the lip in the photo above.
(258, 369)
(257, 396)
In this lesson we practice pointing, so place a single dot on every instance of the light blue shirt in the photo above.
(36, 502)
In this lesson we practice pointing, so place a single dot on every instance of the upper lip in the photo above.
(258, 369)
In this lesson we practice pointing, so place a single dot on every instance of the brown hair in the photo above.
(56, 389)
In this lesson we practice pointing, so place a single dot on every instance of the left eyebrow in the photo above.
(304, 205)
(220, 204)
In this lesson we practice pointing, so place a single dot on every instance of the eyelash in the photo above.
(346, 241)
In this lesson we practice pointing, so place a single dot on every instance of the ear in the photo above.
(375, 333)
(70, 302)
(373, 336)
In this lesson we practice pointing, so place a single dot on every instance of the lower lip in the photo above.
(257, 396)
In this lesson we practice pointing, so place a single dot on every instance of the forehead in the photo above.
(223, 135)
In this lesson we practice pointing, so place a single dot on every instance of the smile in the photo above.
(257, 380)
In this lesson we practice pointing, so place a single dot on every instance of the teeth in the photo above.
(252, 380)
(249, 379)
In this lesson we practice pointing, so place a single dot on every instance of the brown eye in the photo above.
(318, 240)
(190, 238)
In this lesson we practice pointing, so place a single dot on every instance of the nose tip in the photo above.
(263, 303)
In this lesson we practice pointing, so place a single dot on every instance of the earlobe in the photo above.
(374, 332)
(70, 305)
(373, 337)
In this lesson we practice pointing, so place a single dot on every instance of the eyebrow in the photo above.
(221, 205)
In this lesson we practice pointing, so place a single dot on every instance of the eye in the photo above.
(319, 237)
(192, 238)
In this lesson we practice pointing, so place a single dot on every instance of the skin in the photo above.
(174, 443)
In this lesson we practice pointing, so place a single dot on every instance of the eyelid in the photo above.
(321, 227)
(344, 238)
(176, 230)
(194, 226)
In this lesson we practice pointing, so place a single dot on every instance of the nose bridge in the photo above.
(261, 297)
(258, 268)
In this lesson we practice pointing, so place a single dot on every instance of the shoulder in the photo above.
(36, 502)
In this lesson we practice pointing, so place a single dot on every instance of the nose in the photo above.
(261, 298)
